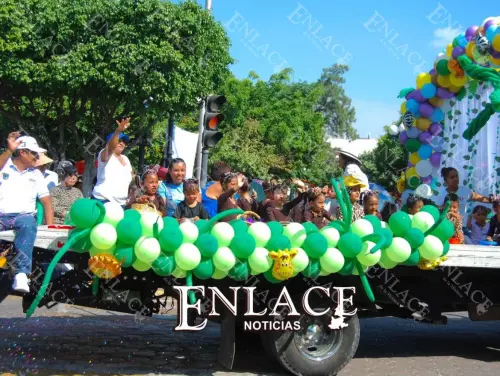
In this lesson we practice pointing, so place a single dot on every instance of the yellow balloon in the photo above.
(495, 61)
(414, 158)
(496, 42)
(457, 82)
(449, 50)
(411, 172)
(436, 102)
(444, 81)
(422, 79)
(423, 124)
(403, 108)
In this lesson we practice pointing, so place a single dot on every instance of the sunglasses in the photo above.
(33, 153)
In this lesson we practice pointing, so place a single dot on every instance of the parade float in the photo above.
(451, 117)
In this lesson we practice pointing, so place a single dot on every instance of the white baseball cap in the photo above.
(30, 143)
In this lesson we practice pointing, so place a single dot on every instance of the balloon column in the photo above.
(472, 56)
(117, 239)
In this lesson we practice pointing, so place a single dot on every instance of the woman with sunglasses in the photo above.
(114, 171)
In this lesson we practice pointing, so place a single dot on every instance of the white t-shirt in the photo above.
(354, 170)
(113, 179)
(20, 189)
(51, 178)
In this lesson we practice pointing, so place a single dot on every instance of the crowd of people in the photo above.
(26, 180)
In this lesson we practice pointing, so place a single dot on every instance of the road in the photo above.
(74, 340)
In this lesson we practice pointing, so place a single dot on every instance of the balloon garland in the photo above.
(117, 239)
(472, 56)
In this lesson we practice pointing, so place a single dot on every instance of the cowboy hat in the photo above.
(352, 181)
(43, 160)
(349, 154)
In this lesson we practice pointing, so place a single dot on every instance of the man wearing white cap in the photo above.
(20, 186)
(350, 163)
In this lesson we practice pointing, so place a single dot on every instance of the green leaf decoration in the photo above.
(467, 157)
(475, 110)
(455, 136)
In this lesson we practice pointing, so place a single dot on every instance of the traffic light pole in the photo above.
(204, 167)
(199, 148)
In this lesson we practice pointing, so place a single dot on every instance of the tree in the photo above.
(384, 164)
(69, 68)
(335, 105)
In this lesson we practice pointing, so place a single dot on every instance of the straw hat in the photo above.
(349, 155)
(43, 160)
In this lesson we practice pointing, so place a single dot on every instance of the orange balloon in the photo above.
(495, 61)
(436, 102)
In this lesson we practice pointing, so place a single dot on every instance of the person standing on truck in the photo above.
(351, 165)
(213, 189)
(354, 187)
(454, 216)
(172, 188)
(231, 184)
(114, 171)
(21, 184)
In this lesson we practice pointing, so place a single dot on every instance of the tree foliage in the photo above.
(335, 105)
(385, 163)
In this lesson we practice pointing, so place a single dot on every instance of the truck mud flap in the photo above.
(227, 348)
(478, 312)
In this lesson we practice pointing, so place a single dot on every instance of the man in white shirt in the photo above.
(114, 171)
(21, 184)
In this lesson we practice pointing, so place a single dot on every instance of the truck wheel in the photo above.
(6, 278)
(316, 350)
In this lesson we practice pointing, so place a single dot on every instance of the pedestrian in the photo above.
(114, 171)
(21, 184)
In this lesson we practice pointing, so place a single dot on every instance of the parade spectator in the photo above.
(213, 189)
(247, 200)
(353, 186)
(454, 216)
(351, 165)
(43, 164)
(145, 191)
(414, 204)
(314, 209)
(172, 188)
(494, 230)
(21, 184)
(269, 192)
(191, 208)
(65, 194)
(230, 183)
(477, 225)
(369, 200)
(114, 172)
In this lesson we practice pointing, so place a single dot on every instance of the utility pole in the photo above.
(201, 119)
(208, 5)
(169, 136)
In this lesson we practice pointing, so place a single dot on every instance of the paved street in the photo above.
(72, 340)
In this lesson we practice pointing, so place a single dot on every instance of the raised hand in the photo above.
(123, 124)
(12, 141)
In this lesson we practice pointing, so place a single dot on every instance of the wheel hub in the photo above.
(316, 341)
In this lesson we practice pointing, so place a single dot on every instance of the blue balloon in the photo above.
(437, 143)
(428, 91)
(492, 32)
(425, 152)
(462, 40)
(412, 105)
(437, 115)
(413, 132)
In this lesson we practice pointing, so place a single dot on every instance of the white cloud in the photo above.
(444, 36)
(372, 116)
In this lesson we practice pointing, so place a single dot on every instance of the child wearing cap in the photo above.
(354, 187)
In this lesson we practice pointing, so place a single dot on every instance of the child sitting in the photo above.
(494, 230)
(414, 204)
(455, 217)
(190, 208)
(476, 223)
(370, 203)
(315, 211)
(353, 186)
(146, 192)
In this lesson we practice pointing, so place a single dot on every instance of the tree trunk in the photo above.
(89, 174)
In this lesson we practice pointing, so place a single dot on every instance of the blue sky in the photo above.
(386, 43)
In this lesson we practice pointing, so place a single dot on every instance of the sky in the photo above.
(386, 43)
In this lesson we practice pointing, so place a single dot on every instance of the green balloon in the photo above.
(415, 237)
(414, 182)
(164, 265)
(312, 269)
(275, 227)
(350, 245)
(242, 245)
(315, 245)
(239, 226)
(446, 248)
(240, 271)
(207, 244)
(125, 254)
(83, 245)
(170, 238)
(374, 221)
(205, 269)
(444, 231)
(132, 214)
(386, 262)
(270, 278)
(171, 222)
(85, 213)
(337, 225)
(413, 259)
(349, 267)
(202, 225)
(310, 227)
(432, 210)
(442, 67)
(412, 145)
(387, 237)
(400, 223)
(404, 208)
(128, 230)
(278, 242)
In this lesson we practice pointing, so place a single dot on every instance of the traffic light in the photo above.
(212, 120)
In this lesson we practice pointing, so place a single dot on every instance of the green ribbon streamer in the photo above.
(365, 282)
(218, 217)
(441, 218)
(342, 205)
(404, 92)
(378, 239)
(484, 74)
(189, 282)
(95, 285)
(461, 94)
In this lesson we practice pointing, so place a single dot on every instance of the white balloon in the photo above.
(393, 130)
(424, 191)
(114, 213)
(402, 128)
(424, 168)
(441, 56)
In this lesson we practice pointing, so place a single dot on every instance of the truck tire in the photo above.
(6, 279)
(316, 351)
